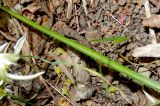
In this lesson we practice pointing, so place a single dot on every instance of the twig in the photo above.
(84, 6)
(59, 92)
(44, 82)
(69, 8)
(115, 19)
(8, 36)
(148, 14)
(76, 17)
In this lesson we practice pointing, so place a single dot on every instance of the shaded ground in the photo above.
(83, 21)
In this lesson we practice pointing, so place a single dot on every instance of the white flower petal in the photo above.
(151, 99)
(19, 45)
(27, 77)
(3, 74)
(7, 59)
(1, 82)
(2, 47)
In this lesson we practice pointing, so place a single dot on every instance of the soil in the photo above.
(83, 21)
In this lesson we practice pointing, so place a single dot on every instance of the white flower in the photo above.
(7, 59)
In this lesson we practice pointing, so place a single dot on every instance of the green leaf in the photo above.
(68, 82)
(2, 93)
(58, 70)
(114, 40)
(111, 89)
(65, 91)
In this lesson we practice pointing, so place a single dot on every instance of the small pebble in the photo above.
(114, 8)
(122, 2)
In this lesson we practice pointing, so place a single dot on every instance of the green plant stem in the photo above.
(20, 99)
(140, 79)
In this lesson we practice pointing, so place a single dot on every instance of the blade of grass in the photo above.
(114, 40)
(140, 79)
(75, 65)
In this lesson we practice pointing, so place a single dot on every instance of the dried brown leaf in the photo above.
(64, 29)
(76, 1)
(37, 43)
(153, 21)
(151, 50)
(94, 3)
(10, 3)
(154, 2)
(47, 21)
(32, 8)
(26, 47)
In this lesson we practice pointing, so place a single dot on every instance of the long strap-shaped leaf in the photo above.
(140, 79)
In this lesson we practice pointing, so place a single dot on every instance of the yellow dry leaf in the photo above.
(63, 102)
(58, 70)
(65, 90)
(60, 51)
